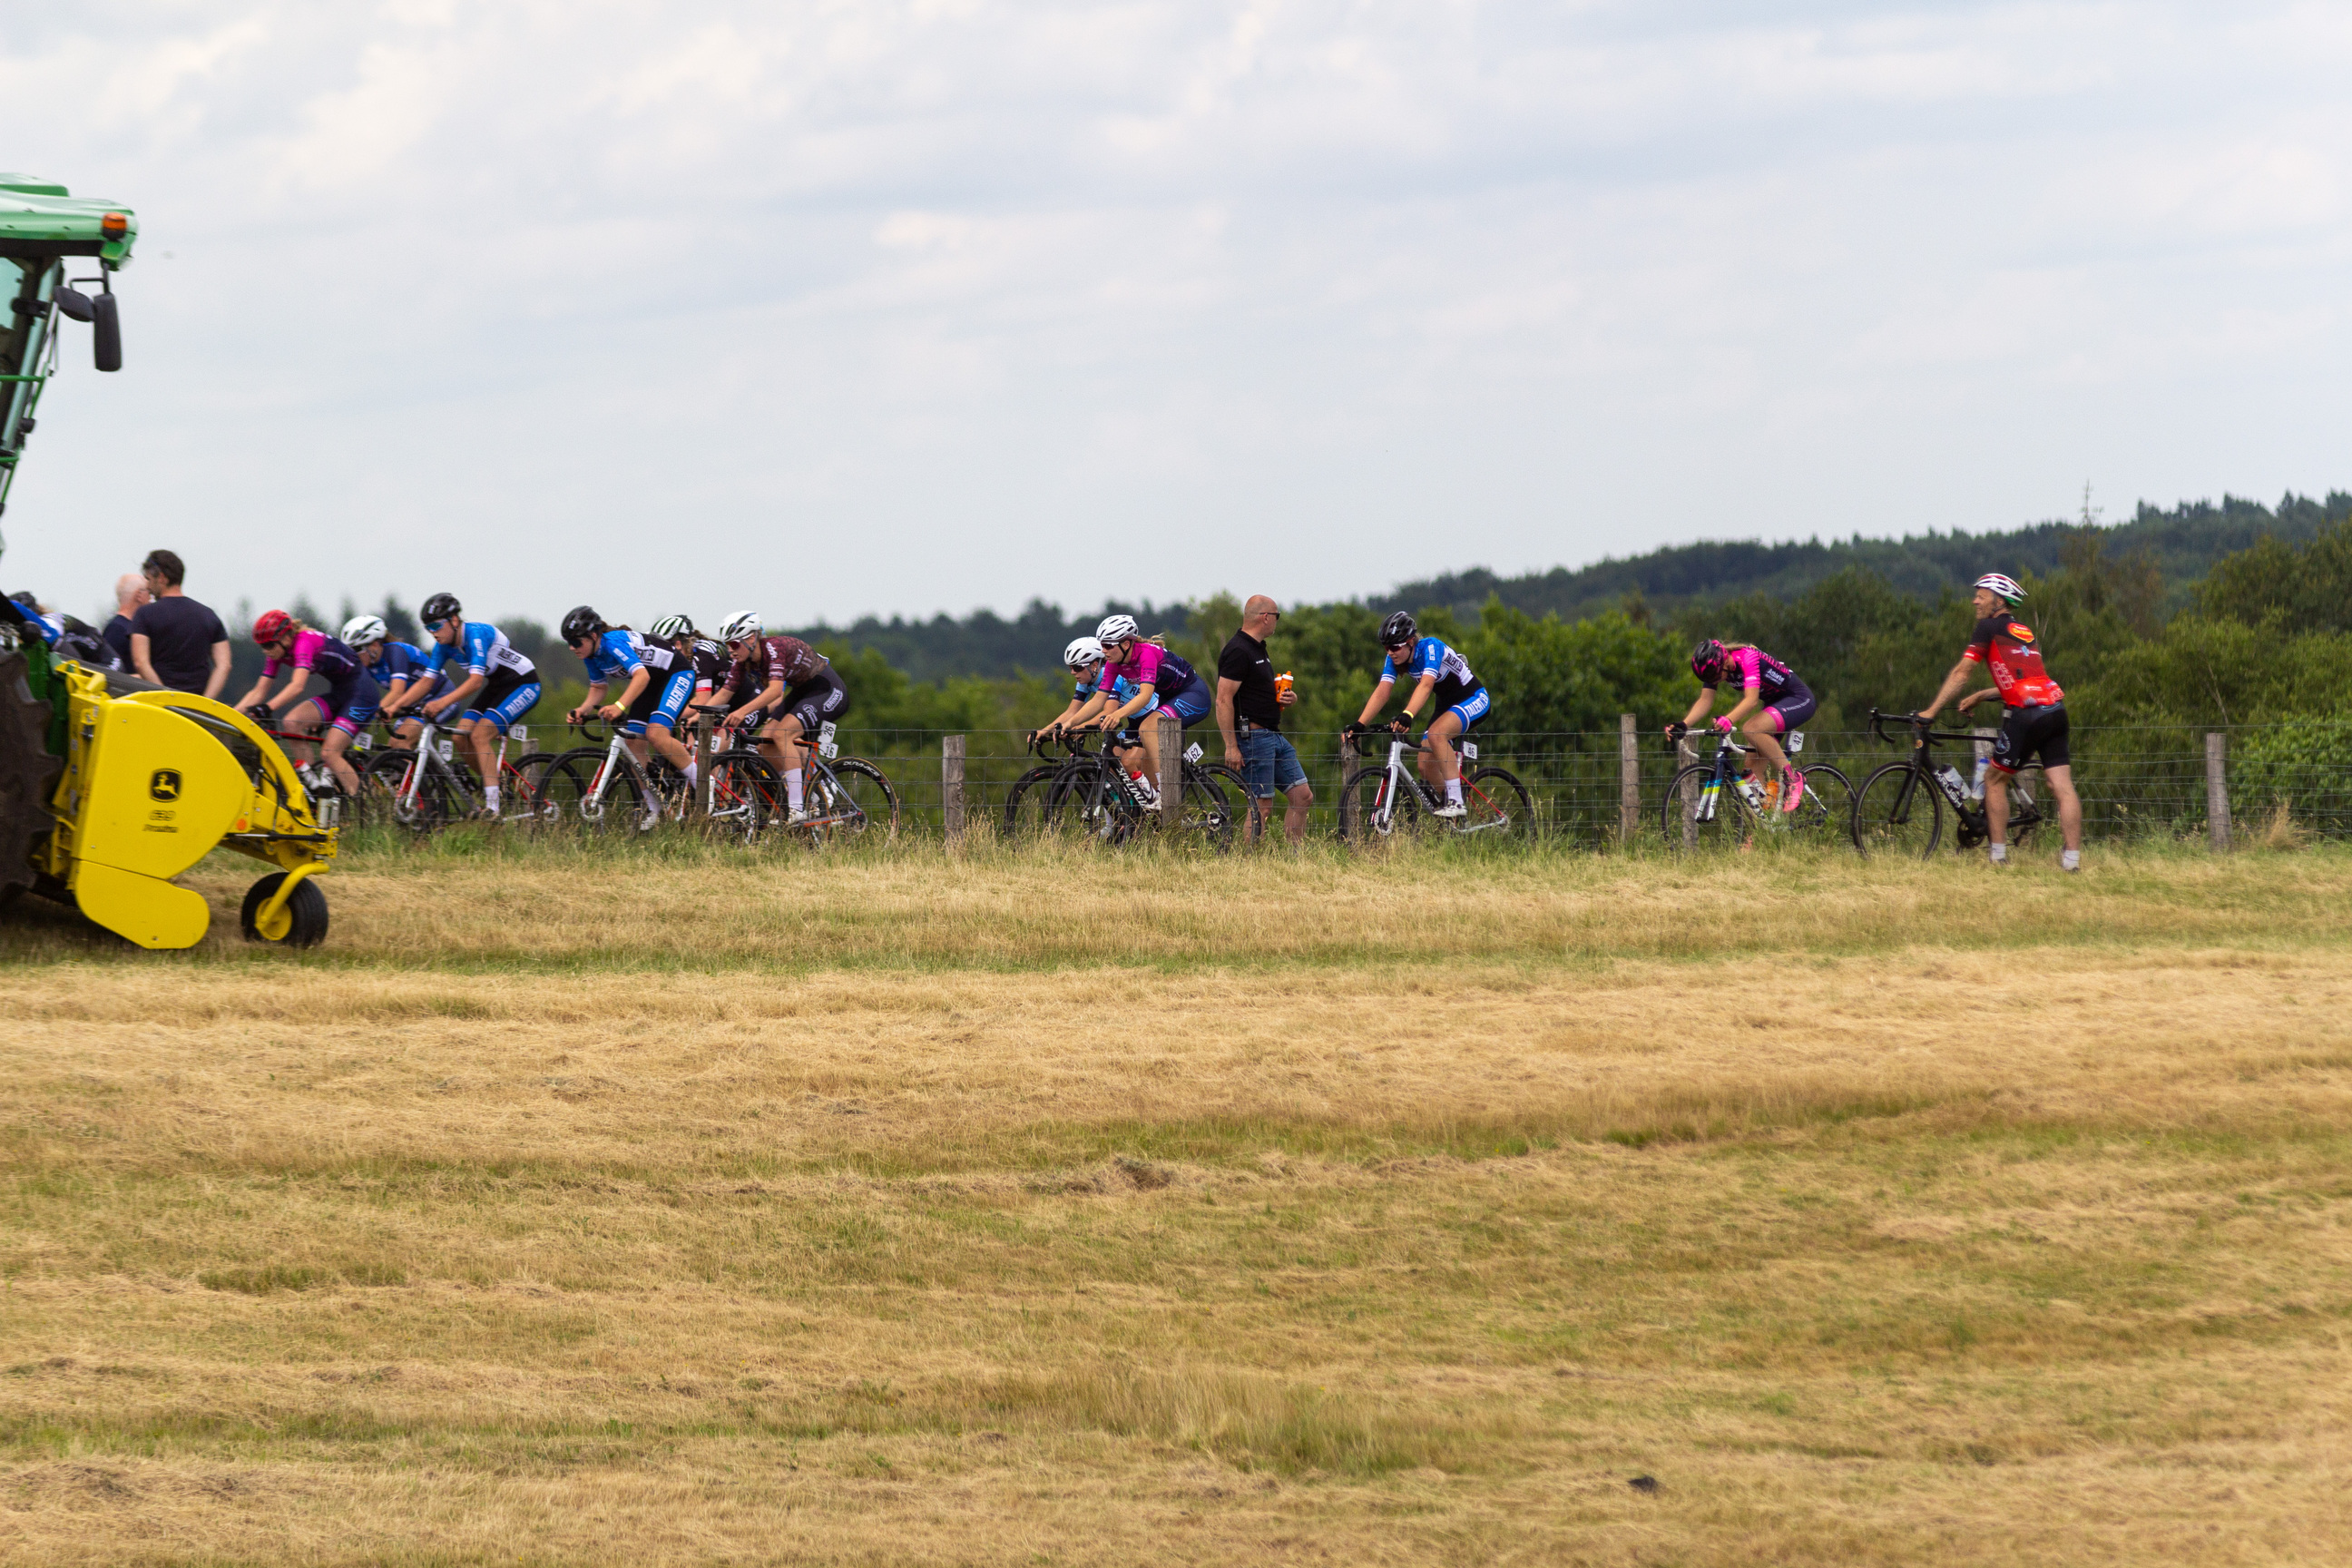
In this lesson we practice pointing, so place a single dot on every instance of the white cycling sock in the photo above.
(2070, 860)
(2001, 854)
(793, 788)
(689, 775)
(491, 796)
(1453, 790)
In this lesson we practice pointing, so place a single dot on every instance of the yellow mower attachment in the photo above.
(153, 781)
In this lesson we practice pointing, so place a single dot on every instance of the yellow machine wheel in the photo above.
(301, 922)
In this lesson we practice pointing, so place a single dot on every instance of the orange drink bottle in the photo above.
(1282, 684)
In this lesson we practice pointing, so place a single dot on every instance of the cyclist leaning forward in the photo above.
(1442, 676)
(1772, 702)
(656, 684)
(2033, 717)
(402, 669)
(499, 684)
(781, 679)
(347, 703)
(1152, 679)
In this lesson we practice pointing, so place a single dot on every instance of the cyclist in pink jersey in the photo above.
(1772, 702)
(347, 705)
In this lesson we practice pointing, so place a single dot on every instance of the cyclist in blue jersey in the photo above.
(1084, 659)
(658, 683)
(1441, 679)
(400, 668)
(1140, 680)
(498, 685)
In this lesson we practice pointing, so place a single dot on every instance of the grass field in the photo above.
(886, 1208)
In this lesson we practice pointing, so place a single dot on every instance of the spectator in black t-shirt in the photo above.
(1250, 701)
(175, 641)
(129, 593)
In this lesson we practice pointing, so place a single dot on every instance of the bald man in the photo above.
(129, 593)
(1249, 711)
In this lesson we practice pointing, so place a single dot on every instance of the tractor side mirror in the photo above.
(74, 303)
(106, 332)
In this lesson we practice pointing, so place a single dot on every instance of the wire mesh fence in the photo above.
(2134, 781)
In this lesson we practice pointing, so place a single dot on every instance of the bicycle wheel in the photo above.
(1029, 804)
(621, 807)
(1375, 816)
(1898, 812)
(1249, 815)
(1207, 813)
(380, 775)
(1825, 811)
(1088, 800)
(524, 797)
(854, 799)
(424, 801)
(1496, 805)
(746, 795)
(1697, 814)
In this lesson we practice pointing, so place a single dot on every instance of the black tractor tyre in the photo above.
(28, 774)
(308, 906)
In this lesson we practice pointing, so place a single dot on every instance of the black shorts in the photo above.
(816, 702)
(2026, 732)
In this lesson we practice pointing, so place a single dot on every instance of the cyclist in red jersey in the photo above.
(2034, 720)
(784, 683)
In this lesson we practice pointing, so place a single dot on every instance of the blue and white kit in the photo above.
(1457, 691)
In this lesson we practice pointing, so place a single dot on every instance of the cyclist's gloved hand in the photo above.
(1724, 725)
(1677, 730)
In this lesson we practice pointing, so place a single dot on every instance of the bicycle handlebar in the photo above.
(1921, 729)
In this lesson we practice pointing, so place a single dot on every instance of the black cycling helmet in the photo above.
(582, 621)
(1707, 660)
(1399, 628)
(439, 608)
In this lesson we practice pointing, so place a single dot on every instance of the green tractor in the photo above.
(109, 787)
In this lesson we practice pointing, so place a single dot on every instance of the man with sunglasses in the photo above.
(499, 686)
(1250, 700)
(1445, 682)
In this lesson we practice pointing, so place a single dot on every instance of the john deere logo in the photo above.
(165, 784)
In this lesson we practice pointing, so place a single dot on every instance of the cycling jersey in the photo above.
(322, 655)
(710, 666)
(1149, 664)
(1121, 688)
(2006, 644)
(485, 652)
(787, 659)
(1429, 657)
(401, 661)
(1759, 672)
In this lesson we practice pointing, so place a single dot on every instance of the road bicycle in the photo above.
(1899, 810)
(1392, 797)
(1723, 802)
(1030, 805)
(606, 787)
(1096, 796)
(424, 788)
(841, 797)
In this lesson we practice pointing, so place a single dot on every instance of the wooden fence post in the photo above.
(2217, 789)
(1348, 760)
(1172, 768)
(1628, 780)
(704, 723)
(1687, 755)
(952, 787)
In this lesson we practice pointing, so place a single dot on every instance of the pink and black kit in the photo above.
(1774, 683)
(351, 696)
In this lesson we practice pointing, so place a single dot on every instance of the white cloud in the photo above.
(922, 305)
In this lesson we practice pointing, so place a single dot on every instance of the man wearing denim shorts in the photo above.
(1249, 711)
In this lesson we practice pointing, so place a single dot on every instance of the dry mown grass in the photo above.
(1154, 1211)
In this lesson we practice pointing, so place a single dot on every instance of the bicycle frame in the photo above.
(1383, 816)
(432, 758)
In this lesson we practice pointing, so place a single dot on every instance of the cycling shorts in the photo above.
(1473, 708)
(663, 700)
(1191, 705)
(504, 699)
(2028, 732)
(1797, 706)
(817, 702)
(350, 704)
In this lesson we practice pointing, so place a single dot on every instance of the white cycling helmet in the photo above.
(2005, 586)
(669, 628)
(361, 631)
(1083, 653)
(739, 627)
(1115, 628)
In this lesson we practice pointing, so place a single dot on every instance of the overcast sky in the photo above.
(828, 308)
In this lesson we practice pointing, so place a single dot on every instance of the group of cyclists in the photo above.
(470, 678)
(783, 692)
